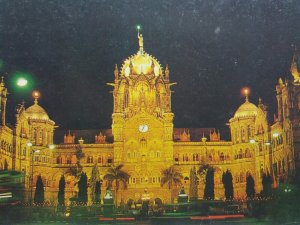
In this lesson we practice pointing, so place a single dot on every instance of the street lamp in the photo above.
(22, 82)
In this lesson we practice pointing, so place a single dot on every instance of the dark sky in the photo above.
(213, 48)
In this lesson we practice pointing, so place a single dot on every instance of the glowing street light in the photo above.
(22, 82)
(29, 144)
(252, 141)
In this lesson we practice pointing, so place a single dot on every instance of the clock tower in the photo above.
(142, 120)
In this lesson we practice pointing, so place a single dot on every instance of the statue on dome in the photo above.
(141, 42)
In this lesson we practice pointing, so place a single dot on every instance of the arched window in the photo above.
(249, 132)
(90, 159)
(176, 158)
(242, 177)
(247, 153)
(298, 101)
(109, 159)
(222, 157)
(58, 160)
(243, 134)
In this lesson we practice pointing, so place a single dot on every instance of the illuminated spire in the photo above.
(2, 81)
(294, 69)
(116, 72)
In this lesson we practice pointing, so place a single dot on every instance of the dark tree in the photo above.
(39, 191)
(209, 192)
(82, 186)
(228, 186)
(61, 191)
(97, 191)
(267, 185)
(250, 191)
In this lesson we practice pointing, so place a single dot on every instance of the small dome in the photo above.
(246, 110)
(36, 112)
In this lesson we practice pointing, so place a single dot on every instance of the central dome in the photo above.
(37, 112)
(246, 110)
(141, 63)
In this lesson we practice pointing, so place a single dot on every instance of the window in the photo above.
(90, 159)
(222, 157)
(59, 160)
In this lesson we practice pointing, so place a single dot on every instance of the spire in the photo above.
(116, 72)
(203, 139)
(2, 82)
(167, 72)
(294, 69)
(280, 82)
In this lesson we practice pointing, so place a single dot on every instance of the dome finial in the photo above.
(36, 96)
(246, 92)
(141, 39)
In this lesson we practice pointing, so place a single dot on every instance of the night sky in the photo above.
(213, 48)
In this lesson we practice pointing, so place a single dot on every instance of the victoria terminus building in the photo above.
(144, 140)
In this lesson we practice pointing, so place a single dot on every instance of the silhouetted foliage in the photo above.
(39, 191)
(228, 186)
(97, 192)
(95, 177)
(61, 191)
(250, 191)
(82, 186)
(209, 192)
(267, 185)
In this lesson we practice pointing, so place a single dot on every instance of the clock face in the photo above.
(143, 128)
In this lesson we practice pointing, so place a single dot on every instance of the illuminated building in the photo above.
(146, 142)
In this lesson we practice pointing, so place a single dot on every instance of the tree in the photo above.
(209, 192)
(82, 186)
(267, 185)
(117, 176)
(250, 191)
(95, 177)
(228, 186)
(61, 191)
(193, 184)
(171, 177)
(39, 191)
(97, 192)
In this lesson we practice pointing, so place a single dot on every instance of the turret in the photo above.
(3, 99)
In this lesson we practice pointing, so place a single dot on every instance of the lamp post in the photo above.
(275, 135)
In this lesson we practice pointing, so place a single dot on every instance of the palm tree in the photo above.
(117, 176)
(171, 177)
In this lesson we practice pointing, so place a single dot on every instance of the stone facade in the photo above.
(145, 141)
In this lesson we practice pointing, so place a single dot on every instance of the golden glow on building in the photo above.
(146, 142)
